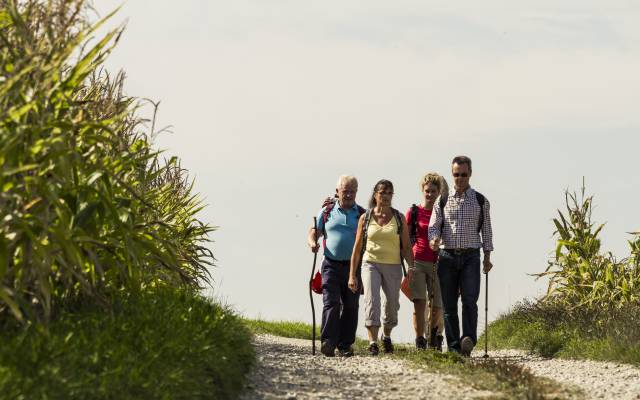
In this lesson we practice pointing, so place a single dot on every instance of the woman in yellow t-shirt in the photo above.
(386, 239)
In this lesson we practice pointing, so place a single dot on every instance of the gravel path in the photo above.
(287, 370)
(597, 379)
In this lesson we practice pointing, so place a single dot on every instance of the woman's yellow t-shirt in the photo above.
(383, 242)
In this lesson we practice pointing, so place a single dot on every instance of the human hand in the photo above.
(435, 244)
(353, 284)
(487, 265)
(328, 201)
(314, 246)
(410, 274)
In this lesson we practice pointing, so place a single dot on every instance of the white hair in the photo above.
(344, 180)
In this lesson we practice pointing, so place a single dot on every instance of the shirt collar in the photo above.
(355, 206)
(464, 194)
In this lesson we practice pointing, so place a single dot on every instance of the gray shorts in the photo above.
(425, 279)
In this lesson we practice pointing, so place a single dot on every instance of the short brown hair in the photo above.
(462, 160)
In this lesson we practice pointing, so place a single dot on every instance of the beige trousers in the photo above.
(388, 277)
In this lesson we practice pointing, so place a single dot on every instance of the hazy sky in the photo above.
(271, 101)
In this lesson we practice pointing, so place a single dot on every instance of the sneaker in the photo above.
(373, 349)
(387, 345)
(466, 345)
(328, 349)
(348, 352)
(421, 343)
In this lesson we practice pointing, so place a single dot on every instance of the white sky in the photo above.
(272, 101)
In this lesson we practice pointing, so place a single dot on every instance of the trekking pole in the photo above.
(313, 309)
(486, 314)
(429, 327)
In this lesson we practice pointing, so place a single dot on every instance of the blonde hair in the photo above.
(436, 180)
(344, 180)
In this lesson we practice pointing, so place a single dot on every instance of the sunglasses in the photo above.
(381, 193)
(462, 175)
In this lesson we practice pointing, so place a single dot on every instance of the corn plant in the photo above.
(88, 207)
(580, 274)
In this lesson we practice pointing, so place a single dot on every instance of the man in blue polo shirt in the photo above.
(340, 304)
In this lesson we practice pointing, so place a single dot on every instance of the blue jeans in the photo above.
(459, 277)
(340, 305)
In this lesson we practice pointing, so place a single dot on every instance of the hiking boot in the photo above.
(421, 343)
(435, 340)
(328, 349)
(432, 338)
(387, 345)
(466, 345)
(348, 352)
(438, 344)
(373, 349)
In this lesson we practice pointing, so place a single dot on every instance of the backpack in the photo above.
(479, 197)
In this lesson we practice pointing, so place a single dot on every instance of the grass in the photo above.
(553, 331)
(289, 329)
(508, 379)
(162, 345)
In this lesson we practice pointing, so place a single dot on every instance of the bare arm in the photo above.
(312, 240)
(355, 256)
(407, 250)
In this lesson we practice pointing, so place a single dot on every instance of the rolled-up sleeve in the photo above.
(487, 232)
(435, 222)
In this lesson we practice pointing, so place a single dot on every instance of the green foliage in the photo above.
(553, 330)
(163, 344)
(580, 274)
(87, 206)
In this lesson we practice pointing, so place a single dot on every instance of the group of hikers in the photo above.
(440, 240)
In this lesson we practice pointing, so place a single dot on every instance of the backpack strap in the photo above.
(443, 202)
(325, 217)
(480, 198)
(413, 224)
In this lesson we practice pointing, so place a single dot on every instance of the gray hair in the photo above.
(344, 180)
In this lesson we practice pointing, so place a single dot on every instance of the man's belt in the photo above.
(459, 252)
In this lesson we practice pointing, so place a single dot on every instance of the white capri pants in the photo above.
(389, 277)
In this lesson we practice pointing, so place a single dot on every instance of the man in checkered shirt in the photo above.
(459, 227)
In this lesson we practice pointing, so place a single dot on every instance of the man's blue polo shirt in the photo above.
(341, 232)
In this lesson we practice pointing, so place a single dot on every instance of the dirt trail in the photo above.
(287, 370)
